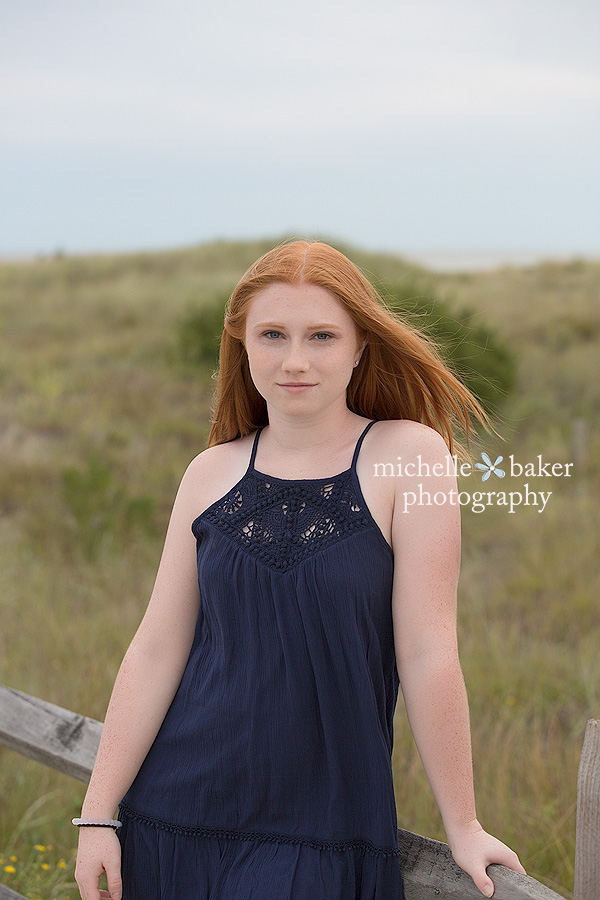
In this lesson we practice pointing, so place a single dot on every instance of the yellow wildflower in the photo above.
(45, 866)
(61, 864)
(14, 858)
(10, 869)
(40, 847)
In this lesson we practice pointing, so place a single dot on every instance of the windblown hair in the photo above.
(401, 373)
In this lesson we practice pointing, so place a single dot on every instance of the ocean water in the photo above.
(480, 261)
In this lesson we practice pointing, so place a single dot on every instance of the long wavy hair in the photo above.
(401, 373)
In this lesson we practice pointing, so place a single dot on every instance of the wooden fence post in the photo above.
(587, 842)
(49, 734)
(7, 894)
(579, 442)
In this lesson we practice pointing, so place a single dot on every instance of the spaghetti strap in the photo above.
(359, 444)
(254, 449)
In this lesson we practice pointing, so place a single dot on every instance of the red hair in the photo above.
(401, 374)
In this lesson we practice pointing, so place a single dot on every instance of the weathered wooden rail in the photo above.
(68, 742)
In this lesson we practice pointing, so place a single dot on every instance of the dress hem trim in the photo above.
(316, 843)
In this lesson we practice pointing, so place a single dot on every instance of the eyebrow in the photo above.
(321, 326)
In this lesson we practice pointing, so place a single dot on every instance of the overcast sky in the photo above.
(395, 124)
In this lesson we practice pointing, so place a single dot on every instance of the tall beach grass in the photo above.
(99, 418)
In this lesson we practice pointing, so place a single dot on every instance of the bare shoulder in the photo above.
(220, 456)
(214, 471)
(424, 484)
(406, 439)
(388, 447)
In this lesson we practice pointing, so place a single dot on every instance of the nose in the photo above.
(295, 359)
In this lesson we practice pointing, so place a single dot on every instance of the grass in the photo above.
(99, 418)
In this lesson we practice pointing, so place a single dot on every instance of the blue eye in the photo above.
(269, 334)
(322, 334)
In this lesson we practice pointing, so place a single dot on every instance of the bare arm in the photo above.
(426, 543)
(144, 689)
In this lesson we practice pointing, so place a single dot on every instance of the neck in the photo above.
(327, 429)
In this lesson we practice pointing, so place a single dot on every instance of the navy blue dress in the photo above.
(270, 778)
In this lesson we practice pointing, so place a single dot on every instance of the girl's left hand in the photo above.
(474, 850)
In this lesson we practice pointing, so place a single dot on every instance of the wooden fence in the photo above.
(68, 742)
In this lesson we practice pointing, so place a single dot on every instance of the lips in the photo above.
(295, 386)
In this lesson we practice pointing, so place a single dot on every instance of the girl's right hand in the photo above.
(99, 851)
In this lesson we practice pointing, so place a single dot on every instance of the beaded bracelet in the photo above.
(101, 823)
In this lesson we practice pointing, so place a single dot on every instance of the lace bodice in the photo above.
(283, 522)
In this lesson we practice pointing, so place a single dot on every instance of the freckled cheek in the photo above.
(263, 366)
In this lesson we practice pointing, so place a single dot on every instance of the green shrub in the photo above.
(199, 333)
(477, 354)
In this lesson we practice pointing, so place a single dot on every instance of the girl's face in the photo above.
(302, 345)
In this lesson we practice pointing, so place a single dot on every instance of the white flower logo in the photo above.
(487, 467)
